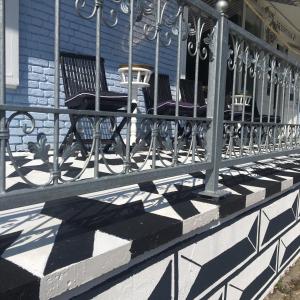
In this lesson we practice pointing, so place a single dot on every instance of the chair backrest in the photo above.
(187, 88)
(164, 91)
(79, 74)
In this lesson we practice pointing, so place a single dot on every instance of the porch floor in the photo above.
(50, 248)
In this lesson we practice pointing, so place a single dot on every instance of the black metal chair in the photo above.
(187, 95)
(238, 116)
(165, 103)
(187, 90)
(167, 106)
(248, 113)
(79, 79)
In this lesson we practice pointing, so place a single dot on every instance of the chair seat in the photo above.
(110, 101)
(185, 109)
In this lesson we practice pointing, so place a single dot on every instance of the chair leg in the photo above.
(72, 129)
(116, 133)
(118, 129)
(64, 142)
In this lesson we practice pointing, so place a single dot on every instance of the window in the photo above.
(253, 23)
(12, 43)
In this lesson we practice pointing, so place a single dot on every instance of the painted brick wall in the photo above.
(77, 35)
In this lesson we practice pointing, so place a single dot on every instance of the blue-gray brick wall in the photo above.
(77, 35)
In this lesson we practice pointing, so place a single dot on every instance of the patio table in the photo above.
(239, 101)
(140, 78)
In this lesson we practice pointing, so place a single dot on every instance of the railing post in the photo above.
(55, 171)
(216, 101)
(3, 130)
(97, 135)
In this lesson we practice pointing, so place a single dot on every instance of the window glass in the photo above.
(253, 23)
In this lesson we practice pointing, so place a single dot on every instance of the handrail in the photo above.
(90, 113)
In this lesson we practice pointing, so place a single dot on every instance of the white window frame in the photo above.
(12, 43)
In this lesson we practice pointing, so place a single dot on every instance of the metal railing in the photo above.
(232, 131)
(271, 80)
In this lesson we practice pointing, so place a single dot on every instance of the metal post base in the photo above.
(213, 197)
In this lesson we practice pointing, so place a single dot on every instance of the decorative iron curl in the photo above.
(146, 129)
(194, 48)
(186, 138)
(71, 148)
(280, 73)
(286, 76)
(164, 136)
(272, 76)
(253, 68)
(276, 73)
(124, 5)
(210, 41)
(25, 128)
(41, 150)
(170, 22)
(245, 57)
(201, 143)
(119, 149)
(297, 81)
(81, 4)
(234, 55)
(262, 67)
(142, 8)
(292, 79)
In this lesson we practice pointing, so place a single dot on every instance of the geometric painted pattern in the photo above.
(215, 264)
(233, 245)
(224, 276)
(278, 216)
(253, 277)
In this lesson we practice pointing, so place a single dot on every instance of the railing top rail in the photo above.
(204, 7)
(262, 44)
(87, 113)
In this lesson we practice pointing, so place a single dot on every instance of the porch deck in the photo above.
(50, 248)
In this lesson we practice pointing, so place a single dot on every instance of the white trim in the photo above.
(12, 43)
